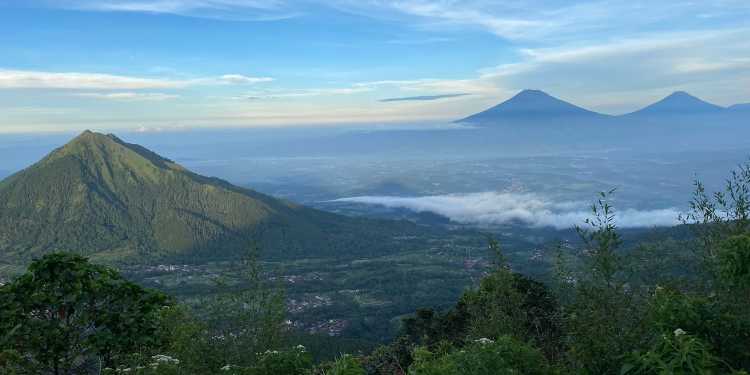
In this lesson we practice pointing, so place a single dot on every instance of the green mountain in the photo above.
(117, 201)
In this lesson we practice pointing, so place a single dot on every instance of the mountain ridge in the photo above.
(113, 200)
(536, 106)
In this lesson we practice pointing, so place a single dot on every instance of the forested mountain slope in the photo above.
(112, 200)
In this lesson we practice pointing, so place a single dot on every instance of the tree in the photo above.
(245, 315)
(66, 313)
(604, 319)
(718, 216)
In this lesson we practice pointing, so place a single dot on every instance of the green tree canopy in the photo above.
(65, 314)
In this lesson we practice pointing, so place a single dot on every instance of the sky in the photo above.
(179, 64)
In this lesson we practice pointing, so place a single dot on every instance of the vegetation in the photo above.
(66, 315)
(604, 312)
(118, 202)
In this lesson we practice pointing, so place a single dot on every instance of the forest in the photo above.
(667, 306)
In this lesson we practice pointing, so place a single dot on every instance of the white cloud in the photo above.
(239, 79)
(526, 208)
(10, 79)
(128, 96)
(160, 129)
(28, 79)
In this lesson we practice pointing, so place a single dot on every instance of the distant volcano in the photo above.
(678, 103)
(531, 105)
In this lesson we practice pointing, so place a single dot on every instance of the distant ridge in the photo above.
(116, 201)
(531, 105)
(743, 107)
(678, 103)
(537, 107)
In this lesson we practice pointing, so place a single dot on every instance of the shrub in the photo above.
(482, 357)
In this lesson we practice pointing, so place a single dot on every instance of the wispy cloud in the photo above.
(506, 208)
(302, 93)
(128, 96)
(710, 63)
(25, 79)
(11, 79)
(423, 98)
(545, 20)
(241, 10)
(239, 79)
(416, 42)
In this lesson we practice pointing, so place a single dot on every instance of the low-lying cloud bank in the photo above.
(528, 208)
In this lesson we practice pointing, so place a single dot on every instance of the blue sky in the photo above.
(162, 64)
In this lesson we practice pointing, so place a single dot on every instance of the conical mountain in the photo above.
(678, 103)
(118, 201)
(531, 105)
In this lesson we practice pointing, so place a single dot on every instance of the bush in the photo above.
(344, 365)
(482, 357)
(678, 353)
(734, 261)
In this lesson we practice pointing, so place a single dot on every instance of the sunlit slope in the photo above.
(119, 201)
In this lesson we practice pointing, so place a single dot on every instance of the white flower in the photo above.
(161, 358)
(679, 332)
(484, 341)
(300, 348)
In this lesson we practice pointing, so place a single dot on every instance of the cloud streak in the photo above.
(492, 208)
(423, 98)
(128, 96)
(236, 10)
(28, 79)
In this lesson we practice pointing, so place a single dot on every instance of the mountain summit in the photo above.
(106, 198)
(678, 103)
(531, 105)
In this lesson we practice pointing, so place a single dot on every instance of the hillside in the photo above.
(117, 201)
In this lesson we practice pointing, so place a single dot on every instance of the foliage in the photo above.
(343, 365)
(604, 318)
(65, 313)
(505, 303)
(733, 261)
(483, 357)
(710, 319)
(247, 319)
(390, 359)
(676, 353)
(296, 361)
(718, 216)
